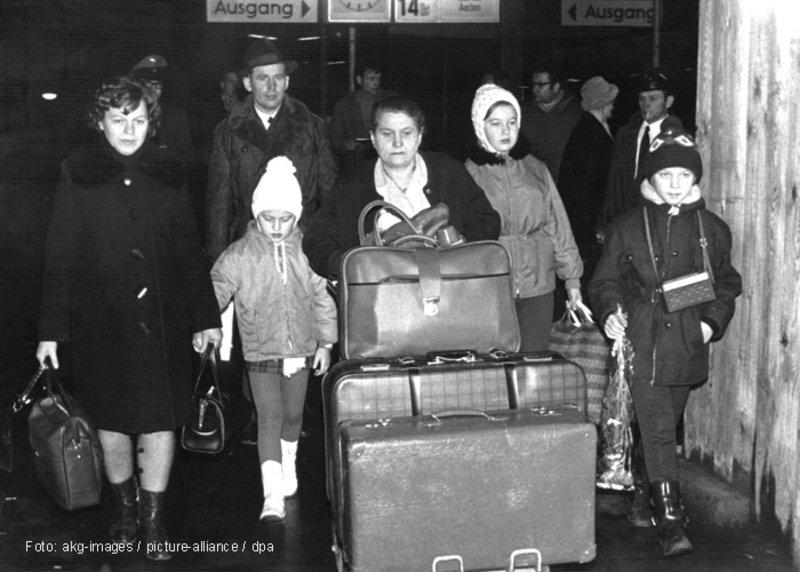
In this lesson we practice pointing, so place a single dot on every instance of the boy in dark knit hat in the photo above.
(670, 348)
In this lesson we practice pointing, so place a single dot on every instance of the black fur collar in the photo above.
(480, 156)
(288, 123)
(98, 163)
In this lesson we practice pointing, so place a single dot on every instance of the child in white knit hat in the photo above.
(287, 324)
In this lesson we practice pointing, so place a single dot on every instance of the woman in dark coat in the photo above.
(403, 176)
(127, 284)
(584, 165)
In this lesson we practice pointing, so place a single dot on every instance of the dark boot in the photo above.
(669, 518)
(124, 497)
(640, 512)
(151, 512)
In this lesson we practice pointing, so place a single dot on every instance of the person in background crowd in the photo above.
(287, 322)
(269, 123)
(127, 284)
(351, 115)
(403, 176)
(584, 166)
(498, 77)
(535, 227)
(670, 349)
(174, 135)
(631, 144)
(548, 120)
(230, 89)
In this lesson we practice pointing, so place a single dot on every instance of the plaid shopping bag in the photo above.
(577, 338)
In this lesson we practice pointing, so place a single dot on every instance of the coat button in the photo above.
(143, 328)
(667, 324)
(629, 257)
(674, 253)
(244, 149)
(127, 181)
(137, 252)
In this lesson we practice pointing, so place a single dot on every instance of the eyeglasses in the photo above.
(540, 84)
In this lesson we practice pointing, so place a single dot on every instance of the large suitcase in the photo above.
(378, 389)
(480, 486)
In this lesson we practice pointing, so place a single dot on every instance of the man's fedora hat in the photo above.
(265, 53)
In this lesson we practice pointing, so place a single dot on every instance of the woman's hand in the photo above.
(322, 361)
(575, 303)
(47, 350)
(615, 326)
(201, 340)
(707, 332)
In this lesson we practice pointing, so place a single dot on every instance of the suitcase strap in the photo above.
(415, 386)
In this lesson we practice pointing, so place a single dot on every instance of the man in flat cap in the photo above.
(268, 123)
(174, 134)
(632, 143)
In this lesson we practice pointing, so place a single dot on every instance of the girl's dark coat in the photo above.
(127, 284)
(668, 347)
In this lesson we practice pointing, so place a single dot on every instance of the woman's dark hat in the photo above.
(265, 53)
(150, 68)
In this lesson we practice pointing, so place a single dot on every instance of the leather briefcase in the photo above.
(208, 432)
(397, 301)
(67, 455)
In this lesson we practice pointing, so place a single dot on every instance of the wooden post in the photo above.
(746, 419)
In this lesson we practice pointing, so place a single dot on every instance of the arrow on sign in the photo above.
(573, 12)
(305, 8)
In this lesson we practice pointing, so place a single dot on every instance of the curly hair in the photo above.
(398, 104)
(126, 93)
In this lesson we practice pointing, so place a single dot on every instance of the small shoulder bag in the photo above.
(690, 289)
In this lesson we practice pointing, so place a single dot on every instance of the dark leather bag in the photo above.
(397, 301)
(208, 432)
(67, 455)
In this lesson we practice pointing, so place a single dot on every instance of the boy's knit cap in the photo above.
(673, 147)
(278, 189)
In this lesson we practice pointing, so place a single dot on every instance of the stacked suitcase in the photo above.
(468, 456)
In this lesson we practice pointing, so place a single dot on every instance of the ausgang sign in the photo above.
(295, 11)
(638, 13)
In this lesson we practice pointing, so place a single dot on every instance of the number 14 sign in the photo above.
(446, 11)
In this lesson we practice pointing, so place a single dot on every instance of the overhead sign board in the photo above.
(359, 11)
(287, 11)
(637, 13)
(446, 11)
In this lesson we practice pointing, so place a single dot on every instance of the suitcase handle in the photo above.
(512, 565)
(450, 413)
(448, 558)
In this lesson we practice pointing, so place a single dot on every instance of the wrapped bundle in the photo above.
(616, 440)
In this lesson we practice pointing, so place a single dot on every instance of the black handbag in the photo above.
(67, 455)
(208, 432)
